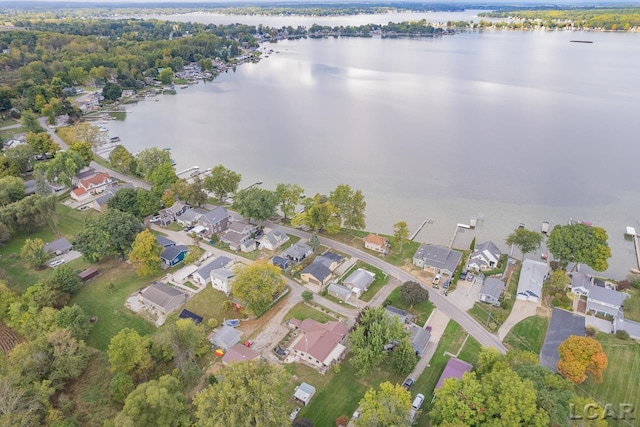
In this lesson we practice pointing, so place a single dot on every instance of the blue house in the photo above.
(173, 255)
(283, 263)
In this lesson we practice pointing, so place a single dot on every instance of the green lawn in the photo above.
(420, 311)
(9, 133)
(302, 311)
(174, 226)
(528, 334)
(104, 297)
(208, 303)
(620, 380)
(381, 279)
(632, 305)
(343, 392)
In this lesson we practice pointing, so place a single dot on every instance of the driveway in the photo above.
(602, 325)
(466, 294)
(520, 311)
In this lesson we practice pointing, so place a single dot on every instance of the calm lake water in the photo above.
(512, 127)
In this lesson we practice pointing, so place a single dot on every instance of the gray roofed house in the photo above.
(215, 221)
(58, 247)
(162, 297)
(438, 259)
(273, 240)
(173, 255)
(563, 324)
(203, 275)
(190, 216)
(580, 283)
(317, 273)
(330, 259)
(248, 245)
(485, 257)
(339, 291)
(235, 239)
(532, 277)
(100, 204)
(226, 337)
(83, 174)
(402, 315)
(298, 251)
(359, 281)
(420, 339)
(632, 328)
(604, 301)
(491, 291)
(177, 209)
(164, 242)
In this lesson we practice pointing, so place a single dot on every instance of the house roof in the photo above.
(170, 253)
(234, 237)
(608, 296)
(223, 273)
(396, 312)
(597, 306)
(318, 270)
(79, 191)
(455, 369)
(297, 250)
(214, 264)
(420, 339)
(161, 294)
(239, 353)
(87, 273)
(360, 279)
(239, 227)
(176, 207)
(215, 215)
(331, 256)
(61, 244)
(304, 392)
(186, 314)
(163, 241)
(189, 215)
(320, 339)
(277, 260)
(532, 277)
(110, 192)
(86, 173)
(563, 324)
(95, 180)
(580, 280)
(492, 287)
(438, 257)
(226, 335)
(339, 290)
(374, 239)
(489, 247)
(275, 236)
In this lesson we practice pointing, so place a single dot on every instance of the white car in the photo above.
(436, 280)
(417, 402)
(294, 414)
(56, 263)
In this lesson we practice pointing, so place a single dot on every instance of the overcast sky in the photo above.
(245, 2)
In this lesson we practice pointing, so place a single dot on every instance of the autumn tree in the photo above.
(400, 233)
(412, 293)
(110, 233)
(525, 240)
(128, 353)
(11, 190)
(255, 203)
(34, 253)
(41, 142)
(350, 206)
(186, 341)
(387, 406)
(145, 254)
(222, 182)
(253, 386)
(88, 134)
(580, 244)
(319, 214)
(258, 284)
(84, 149)
(289, 195)
(121, 159)
(581, 357)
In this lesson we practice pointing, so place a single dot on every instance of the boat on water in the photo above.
(545, 227)
(580, 41)
(114, 139)
(184, 86)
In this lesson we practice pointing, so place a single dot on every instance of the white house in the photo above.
(532, 277)
(273, 240)
(221, 279)
(203, 275)
(485, 257)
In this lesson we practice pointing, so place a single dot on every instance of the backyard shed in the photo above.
(304, 393)
(226, 337)
(88, 274)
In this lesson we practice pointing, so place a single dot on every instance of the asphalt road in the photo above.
(485, 338)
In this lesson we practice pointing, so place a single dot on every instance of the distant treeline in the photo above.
(620, 19)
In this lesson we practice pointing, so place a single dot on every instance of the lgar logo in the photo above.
(593, 411)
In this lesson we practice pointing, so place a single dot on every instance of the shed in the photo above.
(304, 393)
(283, 263)
(491, 291)
(420, 339)
(455, 369)
(338, 291)
(186, 314)
(226, 337)
(88, 274)
(239, 353)
(174, 254)
(164, 242)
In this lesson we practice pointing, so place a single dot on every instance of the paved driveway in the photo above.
(520, 311)
(465, 295)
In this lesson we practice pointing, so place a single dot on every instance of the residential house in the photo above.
(162, 298)
(239, 353)
(532, 276)
(316, 273)
(190, 216)
(298, 251)
(237, 234)
(93, 185)
(491, 291)
(186, 314)
(101, 203)
(174, 255)
(303, 394)
(600, 299)
(203, 275)
(339, 291)
(221, 279)
(377, 243)
(563, 324)
(330, 259)
(455, 368)
(420, 338)
(437, 259)
(319, 344)
(164, 242)
(85, 173)
(58, 247)
(273, 240)
(485, 257)
(283, 263)
(175, 210)
(248, 246)
(358, 281)
(401, 315)
(226, 337)
(215, 221)
(12, 143)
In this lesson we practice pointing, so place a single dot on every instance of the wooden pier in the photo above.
(634, 236)
(455, 233)
(425, 222)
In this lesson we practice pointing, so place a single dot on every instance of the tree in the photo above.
(186, 341)
(400, 232)
(120, 387)
(34, 253)
(258, 284)
(162, 177)
(350, 205)
(289, 195)
(8, 167)
(412, 293)
(41, 142)
(253, 386)
(375, 330)
(84, 149)
(388, 406)
(581, 244)
(30, 122)
(255, 203)
(192, 193)
(155, 403)
(222, 181)
(128, 353)
(75, 320)
(150, 159)
(314, 242)
(404, 357)
(307, 295)
(22, 155)
(125, 200)
(319, 215)
(111, 91)
(6, 93)
(166, 76)
(110, 233)
(121, 159)
(145, 254)
(63, 167)
(11, 190)
(88, 133)
(65, 279)
(580, 356)
(525, 240)
(168, 197)
(148, 202)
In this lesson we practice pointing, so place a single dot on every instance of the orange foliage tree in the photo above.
(581, 356)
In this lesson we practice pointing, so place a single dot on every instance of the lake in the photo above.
(510, 127)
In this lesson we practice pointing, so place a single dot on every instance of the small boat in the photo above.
(184, 86)
(473, 222)
(115, 139)
(232, 322)
(103, 129)
(580, 41)
(545, 227)
(634, 270)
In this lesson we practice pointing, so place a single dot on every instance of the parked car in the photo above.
(408, 383)
(189, 227)
(417, 402)
(294, 414)
(56, 263)
(446, 284)
(463, 275)
(470, 277)
(436, 280)
(155, 218)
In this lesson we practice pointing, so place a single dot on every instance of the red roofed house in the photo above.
(318, 344)
(376, 243)
(239, 353)
(95, 184)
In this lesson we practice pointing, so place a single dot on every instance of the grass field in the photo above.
(342, 392)
(420, 311)
(380, 280)
(632, 305)
(620, 380)
(208, 303)
(302, 311)
(528, 334)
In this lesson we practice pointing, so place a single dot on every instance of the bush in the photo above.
(212, 323)
(307, 295)
(591, 331)
(622, 335)
(120, 387)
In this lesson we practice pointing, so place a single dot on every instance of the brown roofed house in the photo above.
(319, 344)
(376, 243)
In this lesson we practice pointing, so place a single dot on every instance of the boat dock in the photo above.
(425, 222)
(631, 231)
(459, 227)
